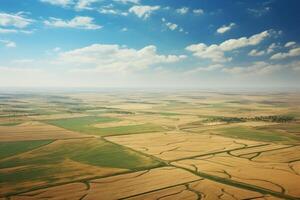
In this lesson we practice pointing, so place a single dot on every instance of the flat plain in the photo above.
(150, 145)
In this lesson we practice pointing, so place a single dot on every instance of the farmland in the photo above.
(150, 145)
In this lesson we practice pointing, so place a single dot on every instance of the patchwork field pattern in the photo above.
(155, 145)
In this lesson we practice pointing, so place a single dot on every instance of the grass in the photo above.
(46, 163)
(253, 134)
(81, 124)
(90, 151)
(288, 127)
(8, 149)
(85, 125)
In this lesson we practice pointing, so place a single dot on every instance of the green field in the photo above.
(85, 125)
(43, 165)
(253, 134)
(93, 152)
(82, 124)
(8, 149)
(10, 123)
(287, 127)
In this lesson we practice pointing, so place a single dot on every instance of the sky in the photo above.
(150, 43)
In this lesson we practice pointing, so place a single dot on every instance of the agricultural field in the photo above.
(149, 145)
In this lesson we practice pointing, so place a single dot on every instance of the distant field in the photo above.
(35, 131)
(132, 129)
(87, 125)
(292, 128)
(254, 134)
(81, 124)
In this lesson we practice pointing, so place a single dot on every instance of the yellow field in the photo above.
(136, 146)
(177, 145)
(35, 131)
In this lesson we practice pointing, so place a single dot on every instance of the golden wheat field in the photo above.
(150, 145)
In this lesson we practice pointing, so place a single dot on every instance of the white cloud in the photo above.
(101, 57)
(62, 3)
(171, 26)
(143, 11)
(257, 68)
(255, 52)
(291, 53)
(85, 4)
(79, 22)
(8, 43)
(14, 20)
(225, 28)
(272, 48)
(216, 52)
(128, 1)
(183, 10)
(124, 29)
(5, 30)
(290, 44)
(112, 11)
(198, 11)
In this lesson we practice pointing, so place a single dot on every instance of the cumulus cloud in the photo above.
(291, 53)
(255, 52)
(225, 28)
(63, 3)
(290, 44)
(102, 57)
(143, 11)
(8, 43)
(198, 11)
(79, 22)
(111, 11)
(85, 4)
(215, 52)
(172, 26)
(183, 10)
(17, 20)
(271, 48)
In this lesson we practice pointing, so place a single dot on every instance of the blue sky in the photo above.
(147, 43)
